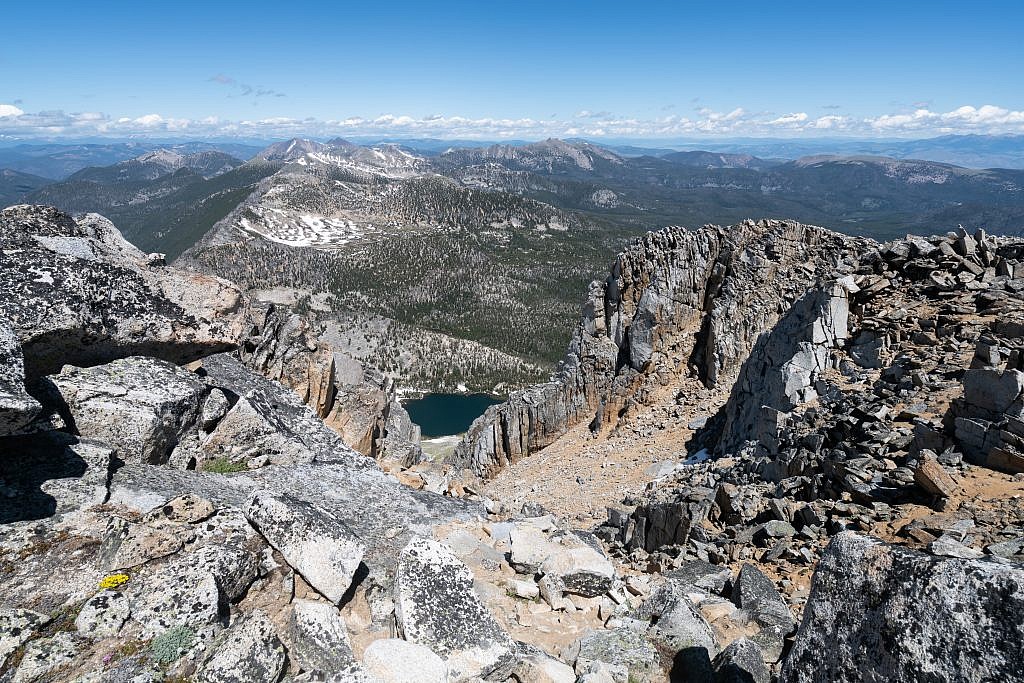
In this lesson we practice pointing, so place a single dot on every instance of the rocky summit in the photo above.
(772, 453)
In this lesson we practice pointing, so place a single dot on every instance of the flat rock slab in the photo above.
(380, 511)
(313, 542)
(51, 473)
(436, 607)
(879, 612)
(399, 661)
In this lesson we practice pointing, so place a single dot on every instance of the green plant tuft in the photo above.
(172, 644)
(224, 466)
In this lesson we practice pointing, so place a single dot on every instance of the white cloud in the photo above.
(789, 119)
(707, 122)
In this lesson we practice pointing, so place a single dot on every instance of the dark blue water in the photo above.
(446, 414)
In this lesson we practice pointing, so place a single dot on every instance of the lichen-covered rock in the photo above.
(623, 647)
(879, 612)
(142, 406)
(17, 408)
(16, 627)
(319, 637)
(103, 614)
(179, 595)
(313, 542)
(77, 293)
(251, 652)
(398, 661)
(436, 606)
(44, 657)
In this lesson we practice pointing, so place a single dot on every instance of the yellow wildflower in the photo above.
(114, 580)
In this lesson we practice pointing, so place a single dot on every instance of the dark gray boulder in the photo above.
(741, 662)
(756, 593)
(879, 612)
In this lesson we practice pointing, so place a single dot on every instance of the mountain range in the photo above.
(489, 245)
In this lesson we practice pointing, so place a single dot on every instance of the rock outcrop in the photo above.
(880, 613)
(676, 301)
(77, 293)
(358, 402)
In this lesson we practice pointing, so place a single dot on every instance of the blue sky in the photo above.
(522, 69)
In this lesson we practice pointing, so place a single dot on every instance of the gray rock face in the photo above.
(17, 408)
(435, 606)
(785, 363)
(79, 294)
(143, 405)
(269, 420)
(880, 613)
(706, 295)
(358, 402)
(994, 390)
(314, 543)
(250, 653)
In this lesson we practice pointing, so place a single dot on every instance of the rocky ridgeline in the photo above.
(173, 512)
(676, 301)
